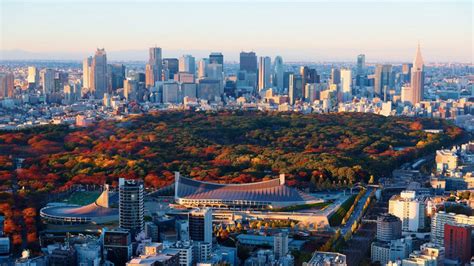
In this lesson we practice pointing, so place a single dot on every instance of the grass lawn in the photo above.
(82, 197)
(336, 218)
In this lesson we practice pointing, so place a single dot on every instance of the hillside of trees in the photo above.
(317, 151)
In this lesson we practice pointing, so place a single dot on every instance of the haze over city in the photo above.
(298, 31)
(243, 133)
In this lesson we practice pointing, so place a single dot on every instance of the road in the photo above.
(357, 211)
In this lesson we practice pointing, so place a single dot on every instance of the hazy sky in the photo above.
(306, 31)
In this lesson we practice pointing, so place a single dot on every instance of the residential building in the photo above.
(410, 209)
(131, 205)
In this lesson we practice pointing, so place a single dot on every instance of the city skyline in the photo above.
(336, 31)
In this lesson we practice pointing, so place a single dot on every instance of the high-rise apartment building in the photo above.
(200, 225)
(440, 219)
(264, 73)
(389, 227)
(457, 242)
(417, 77)
(131, 206)
(280, 245)
(98, 80)
(410, 209)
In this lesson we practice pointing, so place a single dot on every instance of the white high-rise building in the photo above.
(187, 64)
(264, 73)
(278, 74)
(202, 68)
(280, 245)
(33, 75)
(86, 72)
(441, 218)
(346, 84)
(410, 209)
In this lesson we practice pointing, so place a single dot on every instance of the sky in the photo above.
(386, 31)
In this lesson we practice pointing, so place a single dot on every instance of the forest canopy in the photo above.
(233, 147)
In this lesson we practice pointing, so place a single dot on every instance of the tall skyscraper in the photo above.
(33, 75)
(382, 80)
(417, 77)
(202, 68)
(171, 66)
(187, 64)
(131, 206)
(361, 64)
(335, 76)
(86, 72)
(98, 79)
(248, 62)
(216, 58)
(278, 72)
(116, 76)
(154, 67)
(264, 73)
(304, 70)
(346, 84)
(47, 80)
(295, 87)
(200, 225)
(406, 72)
(6, 85)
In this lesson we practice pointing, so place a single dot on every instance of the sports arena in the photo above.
(260, 195)
(98, 212)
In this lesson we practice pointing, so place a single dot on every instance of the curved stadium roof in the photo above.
(91, 211)
(269, 191)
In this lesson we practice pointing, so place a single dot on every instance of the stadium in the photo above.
(272, 194)
(98, 212)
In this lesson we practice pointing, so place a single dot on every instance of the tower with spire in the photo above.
(417, 77)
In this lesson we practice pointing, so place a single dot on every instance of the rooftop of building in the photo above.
(99, 208)
(323, 258)
(273, 190)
